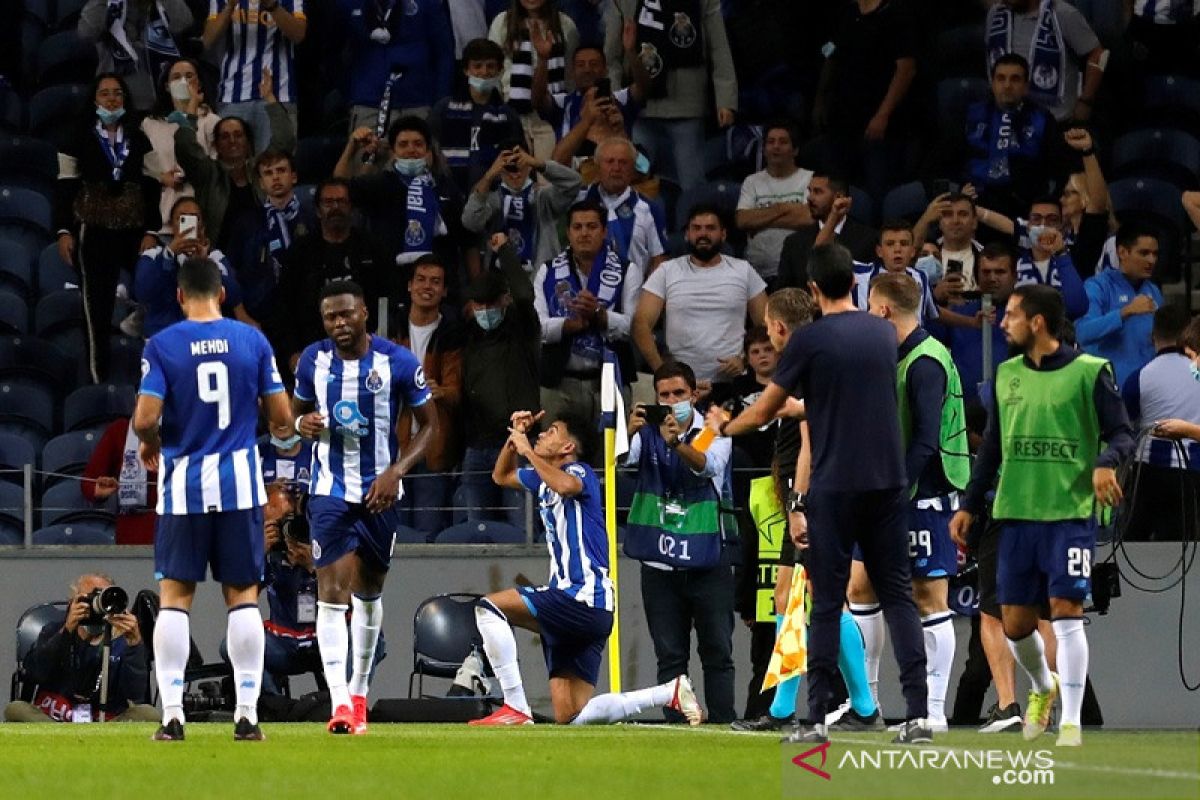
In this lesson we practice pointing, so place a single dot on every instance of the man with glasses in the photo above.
(335, 251)
(1044, 255)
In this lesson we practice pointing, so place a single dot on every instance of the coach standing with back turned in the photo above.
(844, 366)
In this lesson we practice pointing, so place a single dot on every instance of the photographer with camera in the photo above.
(290, 585)
(64, 669)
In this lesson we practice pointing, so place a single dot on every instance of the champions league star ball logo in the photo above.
(683, 32)
(415, 235)
(651, 60)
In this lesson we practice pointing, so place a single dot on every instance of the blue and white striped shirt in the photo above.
(575, 536)
(865, 273)
(360, 401)
(252, 42)
(209, 376)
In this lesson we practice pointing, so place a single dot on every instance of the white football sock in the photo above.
(616, 707)
(938, 629)
(501, 648)
(172, 645)
(869, 617)
(334, 643)
(1072, 662)
(366, 618)
(245, 640)
(1031, 655)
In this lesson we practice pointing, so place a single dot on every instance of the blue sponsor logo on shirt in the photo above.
(350, 419)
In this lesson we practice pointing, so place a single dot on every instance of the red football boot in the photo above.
(505, 715)
(360, 714)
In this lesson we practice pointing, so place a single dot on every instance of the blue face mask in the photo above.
(642, 164)
(1195, 371)
(109, 117)
(410, 167)
(483, 85)
(489, 318)
(285, 444)
(931, 266)
(682, 411)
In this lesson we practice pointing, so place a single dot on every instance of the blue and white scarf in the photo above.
(115, 151)
(606, 281)
(421, 213)
(518, 219)
(621, 220)
(1002, 134)
(280, 222)
(1047, 57)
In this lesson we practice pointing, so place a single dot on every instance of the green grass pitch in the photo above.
(628, 761)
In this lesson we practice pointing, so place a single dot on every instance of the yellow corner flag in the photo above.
(790, 657)
(616, 443)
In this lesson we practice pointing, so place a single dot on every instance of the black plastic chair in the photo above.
(28, 406)
(444, 634)
(25, 207)
(75, 533)
(906, 201)
(29, 627)
(14, 314)
(68, 454)
(54, 274)
(95, 406)
(15, 452)
(28, 162)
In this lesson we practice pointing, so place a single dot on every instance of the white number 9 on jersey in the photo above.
(212, 386)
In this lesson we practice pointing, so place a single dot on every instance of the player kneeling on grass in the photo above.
(574, 613)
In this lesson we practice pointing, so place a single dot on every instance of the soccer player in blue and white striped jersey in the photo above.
(197, 412)
(574, 612)
(350, 389)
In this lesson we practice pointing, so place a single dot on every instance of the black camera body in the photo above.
(102, 602)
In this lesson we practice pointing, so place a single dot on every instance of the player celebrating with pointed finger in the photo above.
(1052, 408)
(349, 392)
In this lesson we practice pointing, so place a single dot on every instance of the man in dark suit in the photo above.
(856, 237)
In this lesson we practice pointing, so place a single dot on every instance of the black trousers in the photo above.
(878, 521)
(103, 253)
(679, 600)
(762, 644)
(974, 682)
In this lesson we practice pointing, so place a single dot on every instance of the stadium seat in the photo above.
(863, 206)
(26, 208)
(64, 502)
(125, 360)
(67, 454)
(316, 156)
(74, 533)
(482, 532)
(955, 94)
(723, 194)
(96, 406)
(29, 163)
(54, 274)
(58, 311)
(12, 110)
(27, 407)
(444, 634)
(30, 360)
(12, 505)
(906, 201)
(16, 268)
(74, 341)
(10, 536)
(1155, 203)
(1162, 153)
(41, 11)
(14, 314)
(29, 628)
(53, 110)
(65, 57)
(1172, 101)
(66, 13)
(15, 452)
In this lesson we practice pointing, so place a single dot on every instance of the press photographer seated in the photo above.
(64, 667)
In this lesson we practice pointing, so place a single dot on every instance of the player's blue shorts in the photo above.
(1037, 560)
(231, 542)
(931, 551)
(573, 634)
(339, 528)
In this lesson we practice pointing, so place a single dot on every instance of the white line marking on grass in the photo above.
(1148, 773)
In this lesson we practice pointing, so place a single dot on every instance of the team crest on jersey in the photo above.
(350, 419)
(419, 378)
(316, 549)
(415, 235)
(651, 60)
(145, 367)
(374, 382)
(683, 32)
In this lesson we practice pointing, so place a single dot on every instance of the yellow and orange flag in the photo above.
(790, 657)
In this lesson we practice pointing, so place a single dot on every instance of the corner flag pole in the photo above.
(610, 402)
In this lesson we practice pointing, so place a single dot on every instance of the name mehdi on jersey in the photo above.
(208, 347)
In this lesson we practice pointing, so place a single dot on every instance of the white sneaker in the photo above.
(938, 724)
(834, 716)
(684, 701)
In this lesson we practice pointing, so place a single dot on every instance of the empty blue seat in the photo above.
(54, 274)
(482, 532)
(28, 405)
(28, 359)
(12, 110)
(75, 533)
(723, 194)
(64, 502)
(67, 454)
(12, 504)
(15, 452)
(28, 162)
(26, 208)
(65, 57)
(66, 13)
(93, 406)
(125, 360)
(1173, 100)
(862, 206)
(16, 268)
(1164, 153)
(14, 314)
(11, 535)
(53, 109)
(906, 201)
(59, 311)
